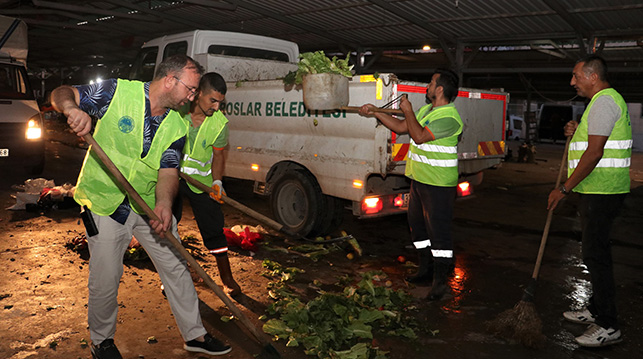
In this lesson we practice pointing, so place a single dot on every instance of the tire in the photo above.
(332, 217)
(297, 202)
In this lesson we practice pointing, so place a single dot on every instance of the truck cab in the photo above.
(22, 145)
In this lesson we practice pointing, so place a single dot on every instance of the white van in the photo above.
(22, 145)
(515, 128)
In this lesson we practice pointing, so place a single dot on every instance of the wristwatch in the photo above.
(563, 190)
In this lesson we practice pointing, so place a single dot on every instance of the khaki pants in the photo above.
(106, 268)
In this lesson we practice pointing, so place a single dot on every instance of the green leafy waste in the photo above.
(318, 63)
(341, 325)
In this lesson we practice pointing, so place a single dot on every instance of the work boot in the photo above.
(424, 274)
(105, 350)
(441, 272)
(225, 272)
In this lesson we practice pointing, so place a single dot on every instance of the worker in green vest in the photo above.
(139, 129)
(432, 166)
(599, 170)
(203, 161)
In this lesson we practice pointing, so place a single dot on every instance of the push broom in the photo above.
(268, 351)
(522, 323)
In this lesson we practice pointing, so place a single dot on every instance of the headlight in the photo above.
(34, 131)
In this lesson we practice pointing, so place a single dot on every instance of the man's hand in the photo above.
(405, 105)
(555, 196)
(165, 215)
(367, 110)
(570, 128)
(79, 121)
(219, 192)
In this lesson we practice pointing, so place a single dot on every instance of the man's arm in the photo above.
(392, 123)
(218, 164)
(418, 133)
(66, 99)
(166, 189)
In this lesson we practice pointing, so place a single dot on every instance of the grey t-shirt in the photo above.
(602, 116)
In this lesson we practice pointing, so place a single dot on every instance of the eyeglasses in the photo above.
(192, 90)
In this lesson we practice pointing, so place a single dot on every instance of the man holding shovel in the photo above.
(203, 161)
(599, 170)
(432, 166)
(143, 135)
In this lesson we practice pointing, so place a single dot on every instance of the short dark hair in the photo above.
(213, 81)
(449, 82)
(594, 64)
(176, 64)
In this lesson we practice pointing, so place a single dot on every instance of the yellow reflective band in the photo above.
(366, 78)
(422, 244)
(435, 163)
(378, 89)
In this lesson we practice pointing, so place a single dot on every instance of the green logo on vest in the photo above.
(203, 144)
(126, 124)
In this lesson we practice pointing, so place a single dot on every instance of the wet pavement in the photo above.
(497, 232)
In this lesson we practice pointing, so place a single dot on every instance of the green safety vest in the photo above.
(197, 162)
(612, 173)
(120, 134)
(435, 162)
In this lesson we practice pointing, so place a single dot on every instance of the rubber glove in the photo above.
(219, 192)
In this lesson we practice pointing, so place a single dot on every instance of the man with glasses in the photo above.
(142, 133)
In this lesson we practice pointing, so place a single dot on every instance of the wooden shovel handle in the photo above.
(173, 240)
(384, 110)
(232, 203)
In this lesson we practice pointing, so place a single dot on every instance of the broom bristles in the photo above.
(520, 324)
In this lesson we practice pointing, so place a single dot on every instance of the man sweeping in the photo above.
(432, 166)
(599, 170)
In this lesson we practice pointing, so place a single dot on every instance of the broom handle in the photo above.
(550, 213)
(172, 239)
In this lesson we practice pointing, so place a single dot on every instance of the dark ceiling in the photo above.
(525, 47)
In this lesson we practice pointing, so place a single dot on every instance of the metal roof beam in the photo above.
(93, 10)
(293, 22)
(176, 19)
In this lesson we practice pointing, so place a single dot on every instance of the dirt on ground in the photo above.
(43, 285)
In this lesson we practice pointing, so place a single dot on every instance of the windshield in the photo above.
(143, 68)
(13, 83)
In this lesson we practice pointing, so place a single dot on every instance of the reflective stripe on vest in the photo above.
(197, 162)
(611, 175)
(435, 162)
(120, 134)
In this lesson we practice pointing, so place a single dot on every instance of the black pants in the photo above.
(597, 215)
(208, 215)
(430, 214)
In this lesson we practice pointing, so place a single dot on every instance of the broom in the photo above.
(522, 323)
(268, 351)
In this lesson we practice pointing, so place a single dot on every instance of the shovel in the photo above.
(268, 350)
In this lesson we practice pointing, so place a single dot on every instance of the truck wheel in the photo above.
(332, 217)
(297, 202)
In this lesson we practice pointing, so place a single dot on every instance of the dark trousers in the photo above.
(208, 215)
(430, 214)
(597, 215)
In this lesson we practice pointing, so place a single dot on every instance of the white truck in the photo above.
(22, 144)
(313, 164)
